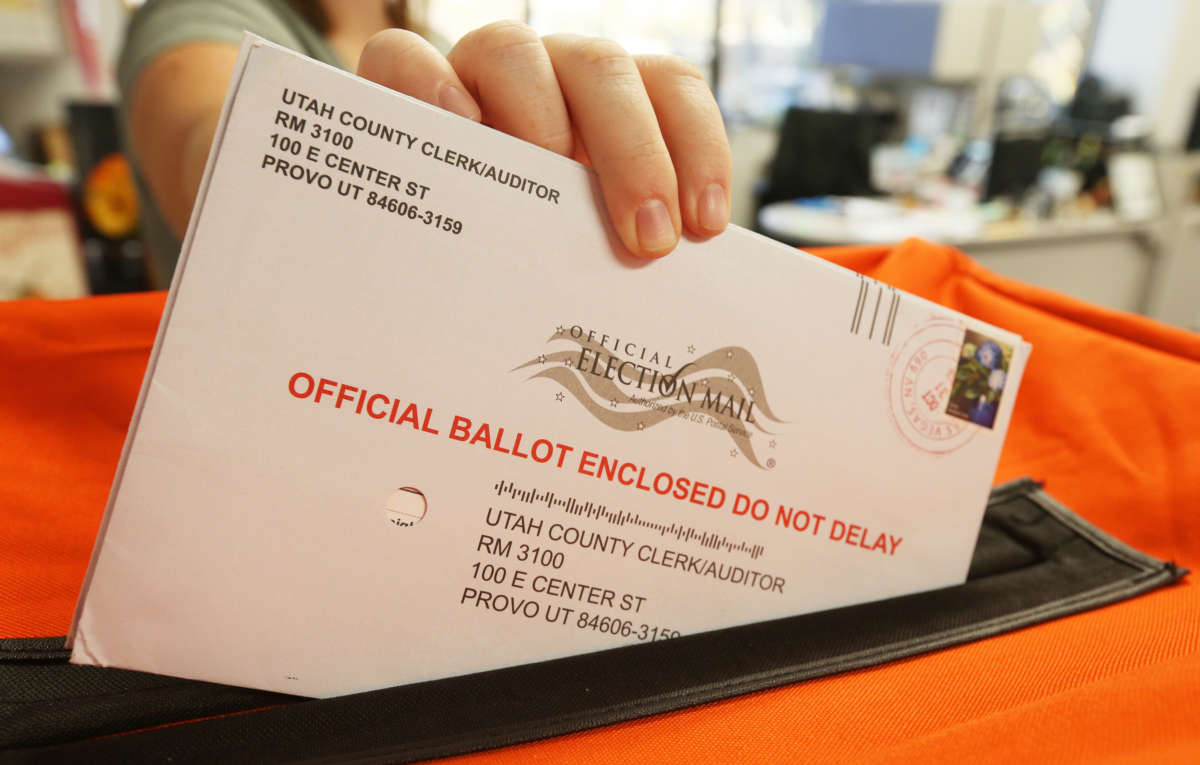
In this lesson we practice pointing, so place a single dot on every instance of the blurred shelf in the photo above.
(29, 31)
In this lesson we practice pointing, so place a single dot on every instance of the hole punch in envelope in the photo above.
(410, 396)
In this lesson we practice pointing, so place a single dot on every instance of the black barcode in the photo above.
(873, 315)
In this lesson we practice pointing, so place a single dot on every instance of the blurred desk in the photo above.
(1100, 258)
(859, 220)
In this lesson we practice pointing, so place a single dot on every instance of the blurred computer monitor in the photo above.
(823, 152)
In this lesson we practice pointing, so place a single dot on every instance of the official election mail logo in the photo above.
(631, 387)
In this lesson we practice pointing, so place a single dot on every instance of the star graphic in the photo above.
(614, 403)
(772, 444)
(732, 376)
(542, 359)
(559, 396)
(567, 362)
(691, 349)
(729, 354)
(705, 381)
(733, 452)
(750, 391)
(641, 426)
(558, 330)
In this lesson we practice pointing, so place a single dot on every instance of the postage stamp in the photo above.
(979, 379)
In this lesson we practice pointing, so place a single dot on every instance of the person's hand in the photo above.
(648, 125)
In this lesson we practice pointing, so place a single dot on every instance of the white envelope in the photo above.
(413, 413)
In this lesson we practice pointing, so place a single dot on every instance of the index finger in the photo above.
(403, 61)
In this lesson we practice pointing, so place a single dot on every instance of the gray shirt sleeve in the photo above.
(160, 25)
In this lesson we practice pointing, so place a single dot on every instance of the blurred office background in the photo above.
(1056, 141)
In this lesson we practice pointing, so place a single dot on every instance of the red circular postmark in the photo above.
(919, 381)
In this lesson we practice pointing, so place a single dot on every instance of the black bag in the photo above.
(1035, 560)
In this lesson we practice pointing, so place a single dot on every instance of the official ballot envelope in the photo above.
(412, 413)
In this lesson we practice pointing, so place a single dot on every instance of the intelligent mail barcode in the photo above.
(588, 509)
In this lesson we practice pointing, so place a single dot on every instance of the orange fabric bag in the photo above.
(1108, 416)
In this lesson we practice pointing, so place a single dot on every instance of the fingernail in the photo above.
(655, 231)
(712, 209)
(452, 99)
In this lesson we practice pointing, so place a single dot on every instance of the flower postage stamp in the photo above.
(979, 379)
